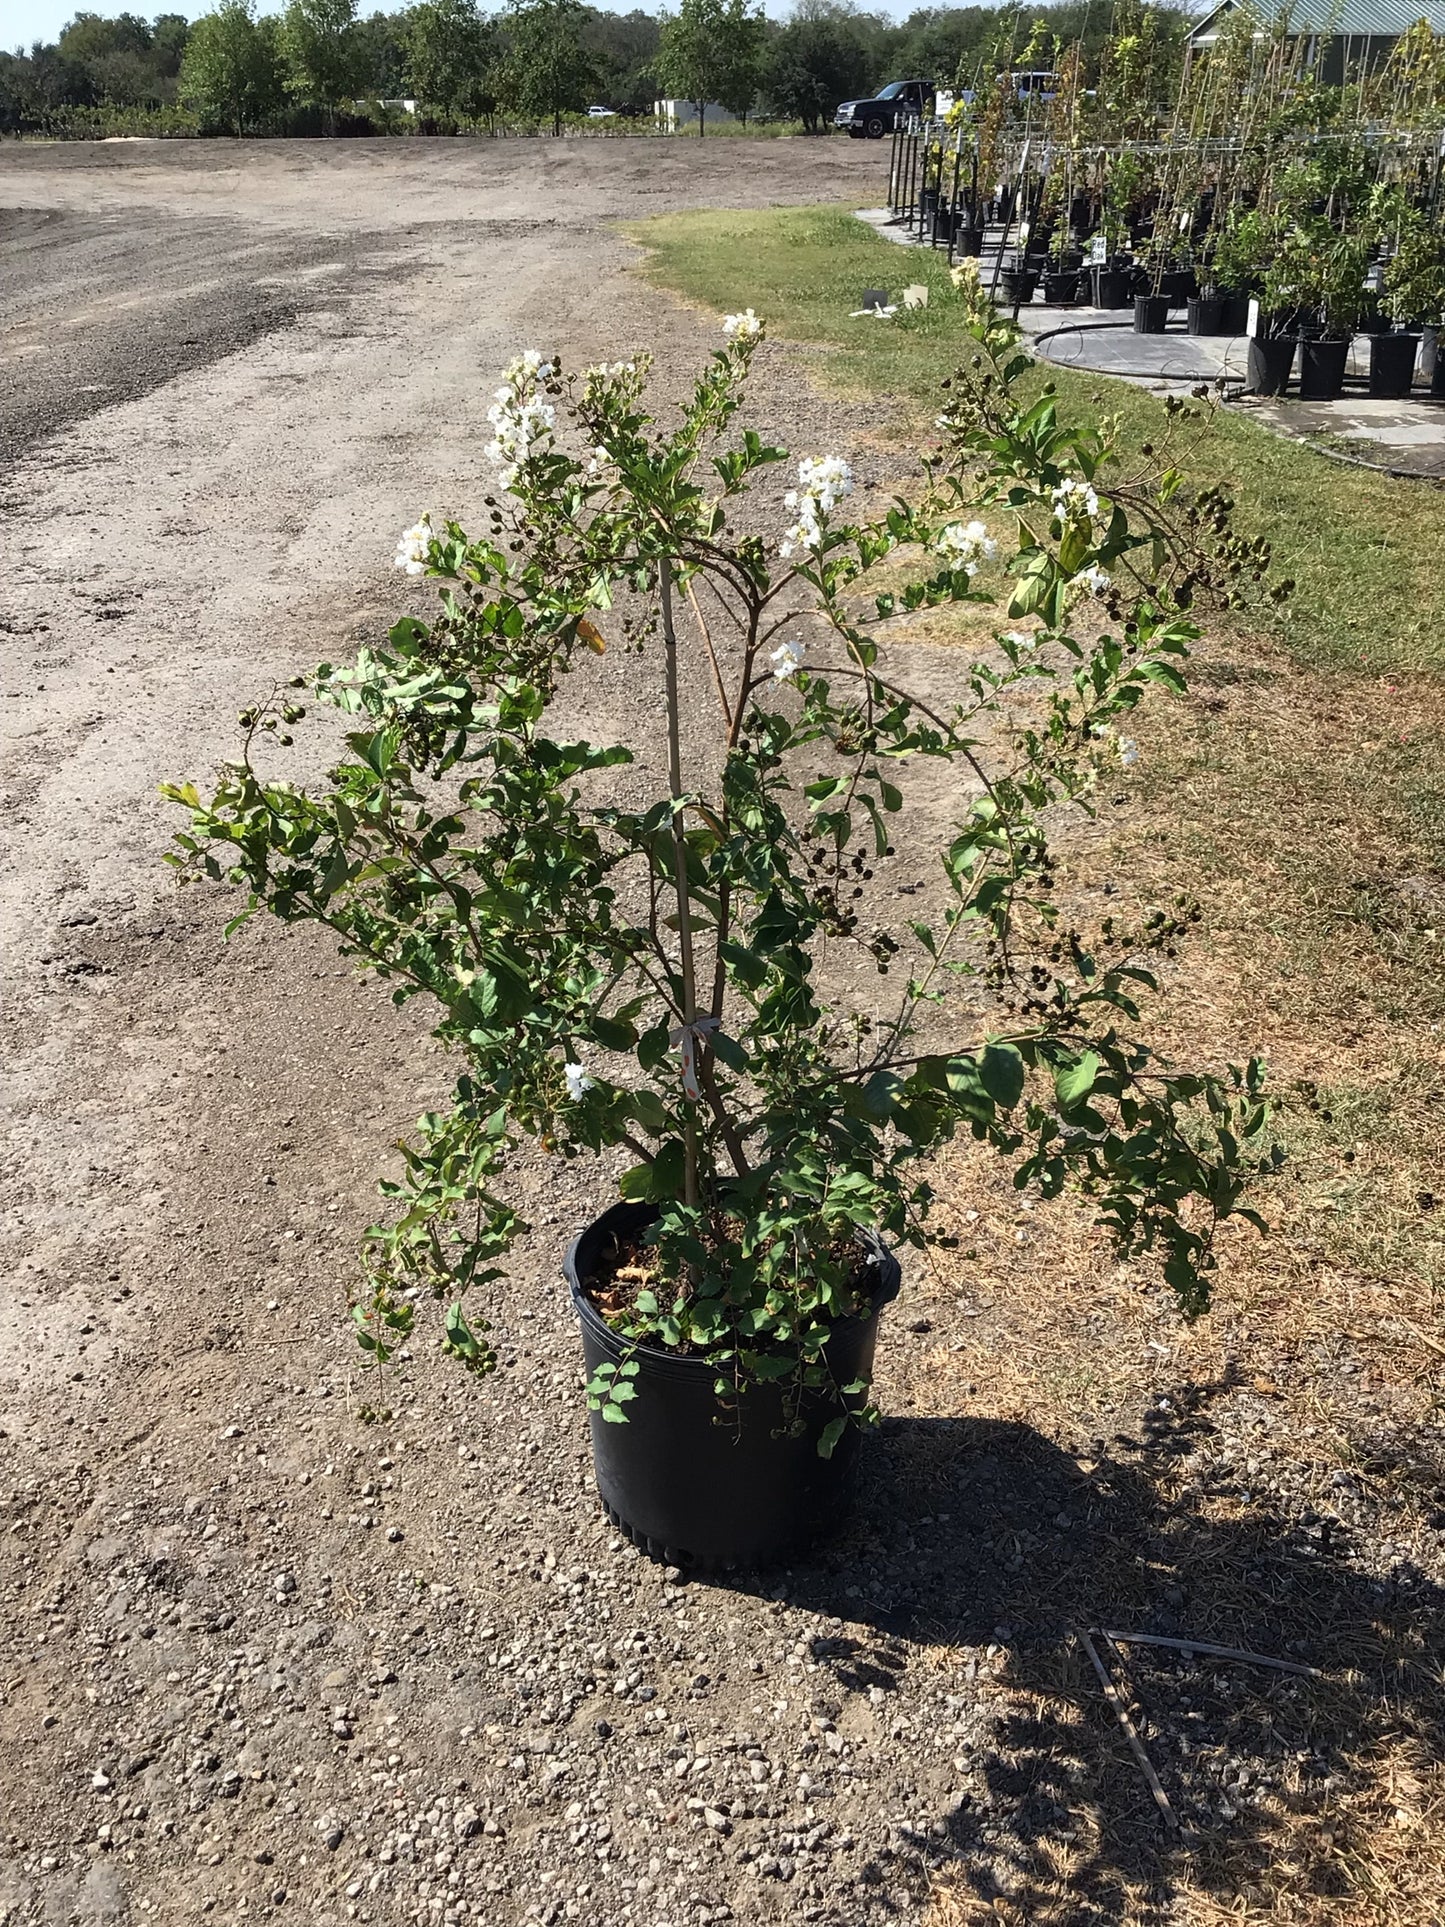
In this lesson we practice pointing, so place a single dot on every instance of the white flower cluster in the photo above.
(1093, 580)
(825, 480)
(787, 659)
(415, 545)
(520, 416)
(1075, 502)
(742, 327)
(578, 1082)
(1128, 751)
(964, 547)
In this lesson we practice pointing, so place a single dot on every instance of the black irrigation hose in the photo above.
(1125, 374)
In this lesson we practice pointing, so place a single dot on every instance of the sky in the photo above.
(24, 21)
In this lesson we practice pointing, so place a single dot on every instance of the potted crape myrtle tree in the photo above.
(714, 989)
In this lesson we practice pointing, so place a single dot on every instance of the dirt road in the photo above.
(259, 1658)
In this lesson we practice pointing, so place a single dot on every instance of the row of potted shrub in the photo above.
(1323, 357)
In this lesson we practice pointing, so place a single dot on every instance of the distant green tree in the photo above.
(231, 74)
(622, 47)
(381, 58)
(322, 52)
(111, 57)
(546, 70)
(818, 59)
(712, 50)
(169, 35)
(450, 52)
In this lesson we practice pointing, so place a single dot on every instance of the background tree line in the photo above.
(316, 66)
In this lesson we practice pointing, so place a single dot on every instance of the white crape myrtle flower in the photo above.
(1094, 579)
(787, 659)
(742, 327)
(965, 546)
(825, 480)
(1075, 502)
(415, 544)
(520, 416)
(1128, 751)
(578, 1082)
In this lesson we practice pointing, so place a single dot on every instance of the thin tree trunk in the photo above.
(679, 866)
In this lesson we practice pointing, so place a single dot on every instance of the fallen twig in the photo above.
(1213, 1652)
(1131, 1733)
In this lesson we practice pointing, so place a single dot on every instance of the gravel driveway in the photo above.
(261, 1657)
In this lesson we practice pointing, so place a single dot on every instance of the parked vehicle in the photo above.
(872, 119)
(601, 113)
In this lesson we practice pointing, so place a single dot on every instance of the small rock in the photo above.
(285, 1583)
(100, 1779)
(465, 1822)
(719, 1822)
(334, 1839)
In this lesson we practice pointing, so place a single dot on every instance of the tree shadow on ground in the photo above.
(984, 1534)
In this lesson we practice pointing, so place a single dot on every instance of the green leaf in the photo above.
(832, 1432)
(1073, 1082)
(1002, 1071)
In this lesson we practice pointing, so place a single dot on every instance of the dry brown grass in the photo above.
(1306, 812)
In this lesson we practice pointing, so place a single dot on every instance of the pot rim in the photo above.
(888, 1284)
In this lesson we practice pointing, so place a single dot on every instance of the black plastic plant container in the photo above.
(1206, 314)
(929, 201)
(1061, 290)
(1235, 319)
(699, 1484)
(969, 242)
(942, 224)
(1016, 286)
(1151, 314)
(1270, 361)
(1112, 288)
(1392, 365)
(1178, 286)
(1322, 368)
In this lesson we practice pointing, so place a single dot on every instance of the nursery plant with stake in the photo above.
(716, 981)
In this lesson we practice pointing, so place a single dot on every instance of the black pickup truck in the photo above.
(891, 104)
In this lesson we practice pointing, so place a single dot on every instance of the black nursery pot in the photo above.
(1392, 365)
(1206, 314)
(1016, 286)
(969, 241)
(1112, 288)
(1151, 314)
(1061, 290)
(1322, 368)
(698, 1484)
(1270, 361)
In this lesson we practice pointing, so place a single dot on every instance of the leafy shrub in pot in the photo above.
(657, 975)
